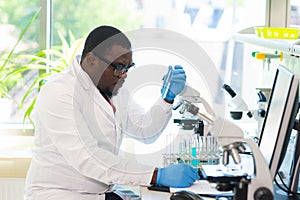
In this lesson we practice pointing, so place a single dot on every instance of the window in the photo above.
(211, 23)
(81, 17)
(295, 13)
(15, 16)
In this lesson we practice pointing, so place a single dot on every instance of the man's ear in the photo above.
(91, 58)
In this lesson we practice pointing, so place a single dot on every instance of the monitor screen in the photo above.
(280, 118)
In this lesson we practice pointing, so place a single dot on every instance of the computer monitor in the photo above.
(280, 118)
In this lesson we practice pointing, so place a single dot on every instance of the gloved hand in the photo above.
(177, 83)
(177, 175)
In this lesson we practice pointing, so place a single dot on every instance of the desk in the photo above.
(155, 195)
(150, 194)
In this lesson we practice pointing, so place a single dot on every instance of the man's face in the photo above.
(109, 83)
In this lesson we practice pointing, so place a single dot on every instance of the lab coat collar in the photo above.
(88, 84)
(82, 76)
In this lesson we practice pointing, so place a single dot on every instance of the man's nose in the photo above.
(124, 75)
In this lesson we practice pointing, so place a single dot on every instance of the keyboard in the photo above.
(204, 187)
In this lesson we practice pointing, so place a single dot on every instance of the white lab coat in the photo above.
(78, 136)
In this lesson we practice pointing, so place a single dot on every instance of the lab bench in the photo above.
(153, 195)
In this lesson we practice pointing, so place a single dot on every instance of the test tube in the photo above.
(167, 82)
(195, 151)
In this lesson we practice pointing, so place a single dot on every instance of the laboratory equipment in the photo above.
(191, 149)
(191, 145)
(260, 114)
(167, 82)
(191, 95)
(191, 124)
(236, 100)
(277, 33)
(185, 104)
(279, 122)
(188, 122)
(259, 186)
(266, 57)
(238, 106)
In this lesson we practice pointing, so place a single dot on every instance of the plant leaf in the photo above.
(28, 112)
(19, 39)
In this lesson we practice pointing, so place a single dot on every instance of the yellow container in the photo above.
(277, 33)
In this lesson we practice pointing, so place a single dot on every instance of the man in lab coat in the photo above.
(79, 130)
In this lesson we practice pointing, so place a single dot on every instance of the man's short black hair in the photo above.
(106, 37)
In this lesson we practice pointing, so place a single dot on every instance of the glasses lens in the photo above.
(120, 69)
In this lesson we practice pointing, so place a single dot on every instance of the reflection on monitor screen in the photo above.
(280, 118)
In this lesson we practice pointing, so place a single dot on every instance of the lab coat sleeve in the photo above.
(147, 126)
(138, 123)
(61, 119)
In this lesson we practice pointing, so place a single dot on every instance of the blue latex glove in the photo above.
(177, 83)
(177, 175)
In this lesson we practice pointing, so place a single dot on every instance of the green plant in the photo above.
(46, 62)
(8, 64)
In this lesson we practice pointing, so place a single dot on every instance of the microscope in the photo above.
(190, 122)
(256, 186)
(238, 106)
